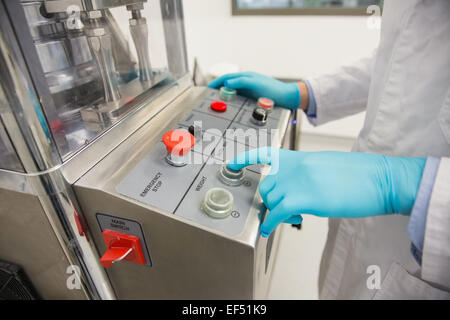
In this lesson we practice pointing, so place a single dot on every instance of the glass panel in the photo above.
(97, 62)
(8, 156)
(280, 4)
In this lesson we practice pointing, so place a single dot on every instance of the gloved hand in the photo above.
(255, 86)
(333, 184)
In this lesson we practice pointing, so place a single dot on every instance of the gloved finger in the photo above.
(251, 157)
(275, 216)
(220, 82)
(297, 219)
(267, 185)
(245, 82)
(273, 198)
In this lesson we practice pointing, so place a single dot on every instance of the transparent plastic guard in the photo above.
(97, 57)
(8, 157)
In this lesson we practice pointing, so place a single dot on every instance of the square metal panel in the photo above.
(190, 207)
(206, 121)
(226, 150)
(245, 116)
(253, 137)
(215, 95)
(230, 114)
(250, 105)
(157, 183)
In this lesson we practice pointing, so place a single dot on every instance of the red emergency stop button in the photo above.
(178, 142)
(219, 106)
(121, 246)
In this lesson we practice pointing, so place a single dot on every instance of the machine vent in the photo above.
(14, 284)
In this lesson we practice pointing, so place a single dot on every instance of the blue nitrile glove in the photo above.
(333, 184)
(255, 86)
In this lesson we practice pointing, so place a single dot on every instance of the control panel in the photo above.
(186, 174)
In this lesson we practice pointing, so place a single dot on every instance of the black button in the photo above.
(260, 114)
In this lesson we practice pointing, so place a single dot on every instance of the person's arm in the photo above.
(338, 94)
(325, 98)
(333, 184)
(305, 102)
(254, 85)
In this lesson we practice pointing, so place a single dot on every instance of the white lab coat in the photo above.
(405, 88)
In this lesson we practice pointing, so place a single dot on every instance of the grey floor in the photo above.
(296, 270)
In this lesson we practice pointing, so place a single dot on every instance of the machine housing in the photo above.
(80, 109)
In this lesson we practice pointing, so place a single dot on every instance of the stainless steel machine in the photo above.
(113, 181)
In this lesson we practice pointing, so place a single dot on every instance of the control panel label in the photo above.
(201, 183)
(154, 185)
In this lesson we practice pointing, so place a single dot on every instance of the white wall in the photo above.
(284, 46)
(281, 46)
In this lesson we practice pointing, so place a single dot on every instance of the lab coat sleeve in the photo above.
(312, 105)
(436, 248)
(417, 221)
(342, 93)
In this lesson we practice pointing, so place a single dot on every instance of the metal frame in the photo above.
(325, 11)
(37, 151)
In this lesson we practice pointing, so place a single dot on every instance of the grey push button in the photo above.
(191, 206)
(218, 203)
(237, 101)
(231, 177)
(227, 94)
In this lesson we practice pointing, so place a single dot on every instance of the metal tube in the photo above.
(101, 45)
(139, 32)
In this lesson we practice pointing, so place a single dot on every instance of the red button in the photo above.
(178, 142)
(219, 106)
(265, 103)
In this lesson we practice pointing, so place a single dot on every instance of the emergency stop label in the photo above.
(154, 185)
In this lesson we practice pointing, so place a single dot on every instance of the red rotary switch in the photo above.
(219, 106)
(121, 246)
(178, 142)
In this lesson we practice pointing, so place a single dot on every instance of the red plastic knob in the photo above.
(178, 142)
(219, 106)
(121, 246)
(266, 103)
